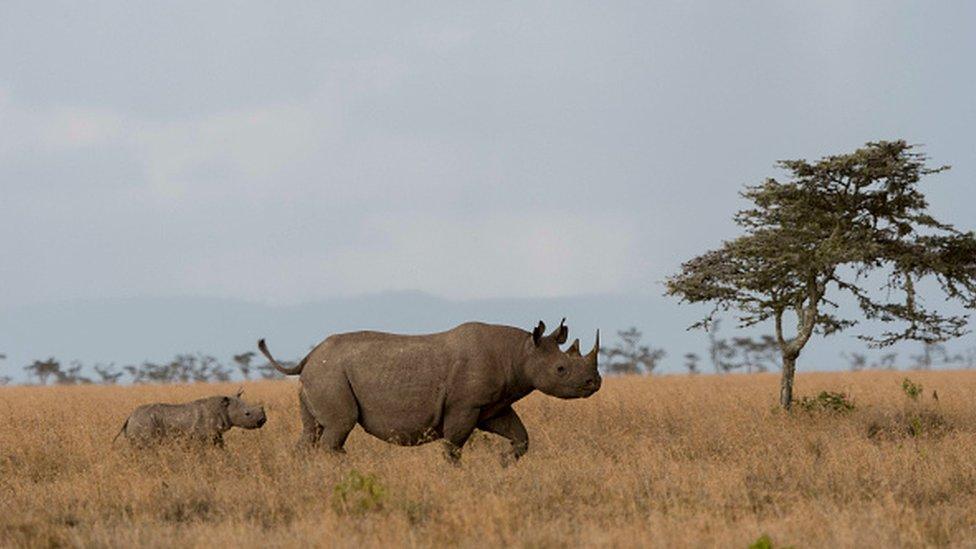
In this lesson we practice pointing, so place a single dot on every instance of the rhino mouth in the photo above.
(590, 387)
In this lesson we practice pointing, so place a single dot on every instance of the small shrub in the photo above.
(910, 424)
(764, 542)
(826, 401)
(912, 390)
(417, 512)
(927, 423)
(192, 508)
(358, 494)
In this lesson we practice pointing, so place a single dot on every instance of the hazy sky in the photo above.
(282, 154)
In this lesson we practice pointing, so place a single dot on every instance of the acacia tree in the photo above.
(44, 369)
(833, 226)
(243, 362)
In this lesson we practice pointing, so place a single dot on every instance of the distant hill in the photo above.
(132, 330)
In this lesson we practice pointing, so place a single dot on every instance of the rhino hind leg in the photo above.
(332, 414)
(311, 428)
(507, 424)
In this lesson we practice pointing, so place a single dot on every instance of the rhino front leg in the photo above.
(457, 429)
(507, 424)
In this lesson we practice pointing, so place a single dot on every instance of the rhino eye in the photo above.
(560, 369)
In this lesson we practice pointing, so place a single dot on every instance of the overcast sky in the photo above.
(283, 154)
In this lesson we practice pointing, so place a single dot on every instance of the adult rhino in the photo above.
(412, 389)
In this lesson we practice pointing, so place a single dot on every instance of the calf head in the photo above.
(561, 374)
(242, 414)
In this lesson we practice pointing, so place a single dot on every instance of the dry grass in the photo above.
(665, 461)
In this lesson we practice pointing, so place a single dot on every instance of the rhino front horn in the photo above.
(574, 348)
(592, 355)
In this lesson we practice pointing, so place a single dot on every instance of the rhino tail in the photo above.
(283, 369)
(122, 430)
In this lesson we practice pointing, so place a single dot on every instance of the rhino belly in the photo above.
(401, 412)
(400, 423)
(398, 385)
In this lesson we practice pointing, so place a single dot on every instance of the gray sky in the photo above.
(467, 150)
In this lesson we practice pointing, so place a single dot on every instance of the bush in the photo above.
(912, 390)
(358, 494)
(826, 401)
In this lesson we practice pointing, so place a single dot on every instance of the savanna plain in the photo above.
(665, 461)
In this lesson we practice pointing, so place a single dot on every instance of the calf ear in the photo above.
(225, 402)
(538, 332)
(240, 392)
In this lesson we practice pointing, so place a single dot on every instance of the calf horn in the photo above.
(592, 355)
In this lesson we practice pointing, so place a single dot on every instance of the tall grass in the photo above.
(663, 461)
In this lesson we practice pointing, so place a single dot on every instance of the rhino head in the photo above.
(242, 414)
(561, 374)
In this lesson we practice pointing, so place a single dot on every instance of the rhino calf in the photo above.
(202, 421)
(409, 390)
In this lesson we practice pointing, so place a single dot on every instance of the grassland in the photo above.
(664, 461)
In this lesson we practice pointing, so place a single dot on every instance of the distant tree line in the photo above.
(183, 368)
(932, 355)
(759, 354)
(748, 354)
(628, 355)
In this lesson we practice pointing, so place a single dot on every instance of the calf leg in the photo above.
(507, 424)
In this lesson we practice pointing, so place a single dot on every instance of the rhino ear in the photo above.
(239, 392)
(538, 332)
(225, 402)
(561, 334)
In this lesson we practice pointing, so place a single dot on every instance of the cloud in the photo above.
(202, 157)
(465, 151)
(542, 253)
(62, 128)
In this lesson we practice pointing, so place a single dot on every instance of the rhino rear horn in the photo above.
(574, 348)
(560, 334)
(592, 355)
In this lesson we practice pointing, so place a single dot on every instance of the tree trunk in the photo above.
(786, 382)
